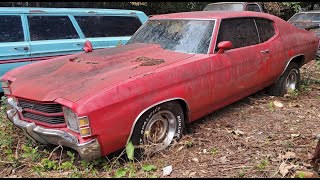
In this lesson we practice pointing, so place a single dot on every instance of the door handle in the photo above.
(265, 51)
(24, 48)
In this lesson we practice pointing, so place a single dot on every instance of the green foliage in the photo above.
(49, 164)
(121, 172)
(149, 167)
(130, 151)
(189, 144)
(263, 164)
(271, 106)
(213, 151)
(301, 175)
(294, 5)
(31, 153)
(242, 173)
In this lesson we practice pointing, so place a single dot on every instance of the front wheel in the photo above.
(157, 128)
(289, 81)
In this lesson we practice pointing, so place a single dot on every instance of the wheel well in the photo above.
(182, 103)
(185, 109)
(298, 60)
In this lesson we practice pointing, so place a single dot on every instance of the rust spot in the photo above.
(74, 59)
(91, 62)
(148, 61)
(77, 60)
(147, 74)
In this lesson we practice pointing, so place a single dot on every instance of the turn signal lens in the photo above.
(85, 132)
(83, 121)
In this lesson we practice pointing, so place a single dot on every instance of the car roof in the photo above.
(212, 15)
(226, 3)
(313, 11)
(34, 10)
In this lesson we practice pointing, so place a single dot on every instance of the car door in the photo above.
(234, 72)
(14, 48)
(272, 52)
(106, 31)
(53, 35)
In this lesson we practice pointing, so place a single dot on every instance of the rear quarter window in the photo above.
(108, 26)
(11, 29)
(265, 28)
(51, 28)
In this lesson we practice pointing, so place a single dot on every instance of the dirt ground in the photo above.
(254, 137)
(250, 137)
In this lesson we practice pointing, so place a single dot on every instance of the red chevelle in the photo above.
(175, 69)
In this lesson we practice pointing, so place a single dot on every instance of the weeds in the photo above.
(262, 165)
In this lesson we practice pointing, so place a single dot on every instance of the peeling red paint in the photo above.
(114, 88)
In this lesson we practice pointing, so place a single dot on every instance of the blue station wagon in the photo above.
(31, 34)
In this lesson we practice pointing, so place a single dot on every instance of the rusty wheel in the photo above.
(157, 128)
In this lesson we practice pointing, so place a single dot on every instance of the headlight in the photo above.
(75, 123)
(6, 87)
(71, 118)
(5, 83)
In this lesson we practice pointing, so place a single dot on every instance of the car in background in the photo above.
(174, 70)
(308, 20)
(33, 34)
(234, 6)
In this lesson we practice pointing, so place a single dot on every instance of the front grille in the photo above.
(47, 119)
(47, 108)
(50, 113)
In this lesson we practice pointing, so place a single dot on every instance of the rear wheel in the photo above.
(288, 82)
(157, 128)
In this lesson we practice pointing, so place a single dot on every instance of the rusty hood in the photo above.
(76, 76)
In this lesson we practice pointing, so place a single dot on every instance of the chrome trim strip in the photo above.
(288, 65)
(213, 31)
(200, 19)
(215, 44)
(137, 118)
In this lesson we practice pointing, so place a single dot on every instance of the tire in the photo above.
(145, 137)
(288, 81)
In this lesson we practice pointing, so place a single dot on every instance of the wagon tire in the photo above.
(157, 128)
(288, 81)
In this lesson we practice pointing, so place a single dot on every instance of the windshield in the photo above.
(188, 36)
(305, 17)
(224, 7)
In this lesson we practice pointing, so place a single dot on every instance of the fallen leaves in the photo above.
(304, 174)
(284, 168)
(288, 155)
(295, 135)
(167, 170)
(238, 132)
(277, 104)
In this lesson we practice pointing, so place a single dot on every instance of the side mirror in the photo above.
(224, 45)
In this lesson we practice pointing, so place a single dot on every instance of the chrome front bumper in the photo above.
(88, 151)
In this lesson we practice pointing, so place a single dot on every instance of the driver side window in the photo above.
(241, 32)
